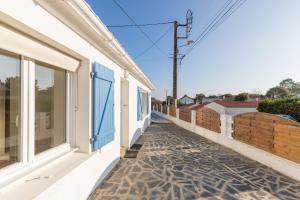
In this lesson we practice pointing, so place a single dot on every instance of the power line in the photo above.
(209, 24)
(150, 47)
(136, 25)
(213, 23)
(220, 20)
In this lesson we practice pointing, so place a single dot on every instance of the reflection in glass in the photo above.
(145, 111)
(50, 107)
(9, 108)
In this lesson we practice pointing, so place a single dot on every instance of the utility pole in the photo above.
(175, 52)
(188, 25)
(167, 96)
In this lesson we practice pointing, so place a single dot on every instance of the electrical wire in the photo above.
(211, 25)
(220, 21)
(150, 47)
(217, 21)
(136, 25)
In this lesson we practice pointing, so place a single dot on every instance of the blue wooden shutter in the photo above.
(103, 106)
(139, 104)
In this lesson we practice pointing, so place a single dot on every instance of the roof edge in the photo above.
(97, 35)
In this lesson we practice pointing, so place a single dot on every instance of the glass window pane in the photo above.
(144, 104)
(50, 107)
(10, 66)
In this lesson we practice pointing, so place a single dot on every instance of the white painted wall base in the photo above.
(284, 166)
(73, 176)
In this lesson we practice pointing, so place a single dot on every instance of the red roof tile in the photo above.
(238, 104)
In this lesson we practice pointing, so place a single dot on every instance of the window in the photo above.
(145, 102)
(23, 81)
(37, 101)
(50, 107)
(10, 67)
(142, 104)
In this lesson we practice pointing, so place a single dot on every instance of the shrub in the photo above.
(288, 106)
(179, 103)
(241, 97)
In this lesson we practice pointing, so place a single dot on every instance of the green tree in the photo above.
(199, 97)
(289, 84)
(179, 103)
(170, 100)
(213, 96)
(242, 97)
(278, 92)
(228, 95)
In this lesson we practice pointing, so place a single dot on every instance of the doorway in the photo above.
(124, 132)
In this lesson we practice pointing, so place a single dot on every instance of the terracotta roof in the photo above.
(238, 104)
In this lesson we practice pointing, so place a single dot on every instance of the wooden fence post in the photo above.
(226, 125)
(177, 113)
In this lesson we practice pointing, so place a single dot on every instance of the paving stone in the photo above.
(174, 163)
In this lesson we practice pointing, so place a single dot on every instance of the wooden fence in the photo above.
(270, 133)
(172, 111)
(209, 119)
(185, 114)
(287, 142)
(153, 105)
(159, 107)
(165, 109)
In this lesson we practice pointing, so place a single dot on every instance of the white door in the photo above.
(124, 113)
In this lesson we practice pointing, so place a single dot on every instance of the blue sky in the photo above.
(256, 48)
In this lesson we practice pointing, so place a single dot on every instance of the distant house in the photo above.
(233, 107)
(229, 109)
(226, 97)
(186, 100)
(256, 97)
(210, 99)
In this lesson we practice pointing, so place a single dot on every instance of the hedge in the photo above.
(288, 106)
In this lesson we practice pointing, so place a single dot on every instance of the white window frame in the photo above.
(28, 160)
(55, 150)
(145, 100)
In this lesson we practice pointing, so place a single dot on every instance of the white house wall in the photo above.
(227, 116)
(35, 17)
(136, 127)
(236, 111)
(216, 107)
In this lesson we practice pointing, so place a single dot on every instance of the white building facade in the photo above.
(70, 98)
(227, 111)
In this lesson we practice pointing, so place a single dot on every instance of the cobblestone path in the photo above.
(177, 164)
